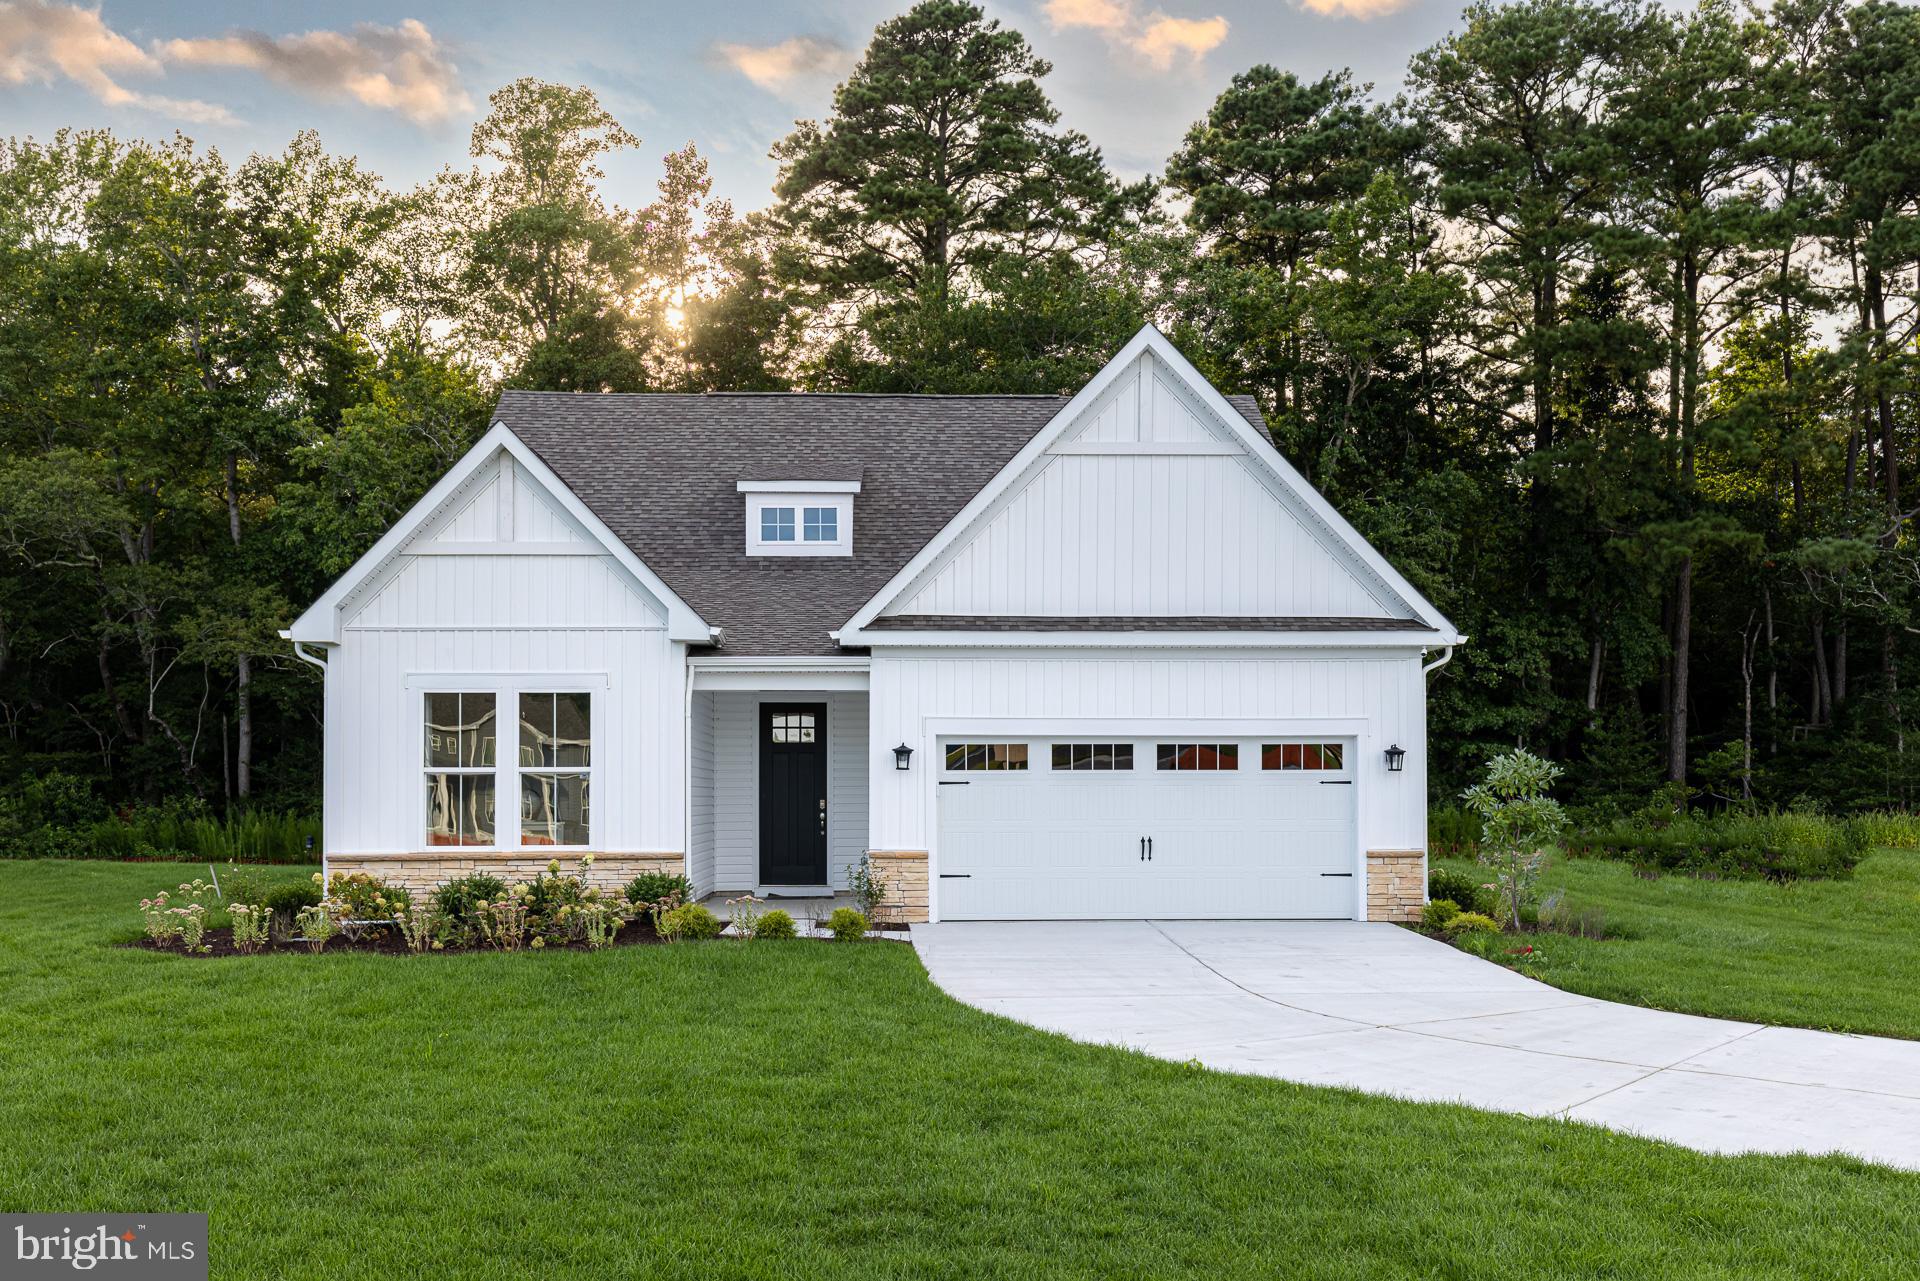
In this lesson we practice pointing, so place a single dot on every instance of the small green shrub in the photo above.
(1438, 912)
(774, 925)
(867, 885)
(459, 900)
(1472, 923)
(1890, 829)
(847, 924)
(689, 921)
(285, 901)
(1786, 846)
(1463, 888)
(652, 887)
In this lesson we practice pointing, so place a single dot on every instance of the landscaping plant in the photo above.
(868, 886)
(315, 925)
(252, 926)
(1519, 822)
(503, 921)
(774, 925)
(1471, 923)
(847, 924)
(688, 921)
(745, 915)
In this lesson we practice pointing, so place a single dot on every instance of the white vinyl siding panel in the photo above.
(1103, 525)
(446, 606)
(736, 783)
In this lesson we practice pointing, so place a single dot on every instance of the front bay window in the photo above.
(550, 769)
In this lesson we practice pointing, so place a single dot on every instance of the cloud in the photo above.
(790, 65)
(42, 42)
(401, 69)
(1361, 9)
(1157, 37)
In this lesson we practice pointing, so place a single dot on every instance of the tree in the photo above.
(548, 264)
(1519, 821)
(941, 155)
(1263, 174)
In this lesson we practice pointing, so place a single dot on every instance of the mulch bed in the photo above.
(386, 939)
(637, 933)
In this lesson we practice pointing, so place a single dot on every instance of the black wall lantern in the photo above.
(902, 756)
(1396, 757)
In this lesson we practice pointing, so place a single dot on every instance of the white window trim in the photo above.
(506, 769)
(840, 503)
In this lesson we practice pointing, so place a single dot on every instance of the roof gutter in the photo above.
(1446, 656)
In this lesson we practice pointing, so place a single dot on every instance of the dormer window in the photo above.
(799, 517)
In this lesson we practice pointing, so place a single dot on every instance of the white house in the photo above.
(1107, 656)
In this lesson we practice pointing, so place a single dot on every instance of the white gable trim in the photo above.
(321, 623)
(1260, 454)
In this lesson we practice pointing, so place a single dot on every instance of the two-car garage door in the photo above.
(1053, 829)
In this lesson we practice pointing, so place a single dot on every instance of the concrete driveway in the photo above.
(1378, 1008)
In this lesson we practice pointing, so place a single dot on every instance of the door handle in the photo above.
(1143, 849)
(1149, 849)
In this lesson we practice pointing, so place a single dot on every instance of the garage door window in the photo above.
(1302, 756)
(1199, 756)
(1093, 756)
(967, 758)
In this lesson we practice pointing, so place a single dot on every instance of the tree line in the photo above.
(1604, 330)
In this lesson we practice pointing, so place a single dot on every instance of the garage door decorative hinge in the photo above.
(956, 876)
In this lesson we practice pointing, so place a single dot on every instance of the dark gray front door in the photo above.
(793, 794)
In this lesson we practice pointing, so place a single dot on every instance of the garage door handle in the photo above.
(1336, 782)
(956, 782)
(956, 876)
(1336, 874)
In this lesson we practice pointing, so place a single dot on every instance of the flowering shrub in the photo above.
(182, 915)
(745, 914)
(417, 926)
(315, 925)
(362, 897)
(847, 925)
(503, 922)
(252, 924)
(600, 921)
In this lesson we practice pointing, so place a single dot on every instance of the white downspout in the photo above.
(300, 652)
(1446, 656)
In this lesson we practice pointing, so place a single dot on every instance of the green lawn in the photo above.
(1842, 955)
(789, 1110)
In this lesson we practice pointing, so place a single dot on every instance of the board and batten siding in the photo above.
(735, 783)
(1382, 695)
(1115, 520)
(503, 587)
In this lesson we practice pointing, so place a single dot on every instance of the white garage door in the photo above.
(1054, 829)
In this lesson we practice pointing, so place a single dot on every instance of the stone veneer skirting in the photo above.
(1396, 884)
(906, 875)
(424, 871)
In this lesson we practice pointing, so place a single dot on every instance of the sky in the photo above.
(400, 82)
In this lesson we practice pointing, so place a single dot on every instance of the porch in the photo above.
(777, 768)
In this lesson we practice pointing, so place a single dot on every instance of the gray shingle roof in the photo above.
(1167, 623)
(660, 470)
